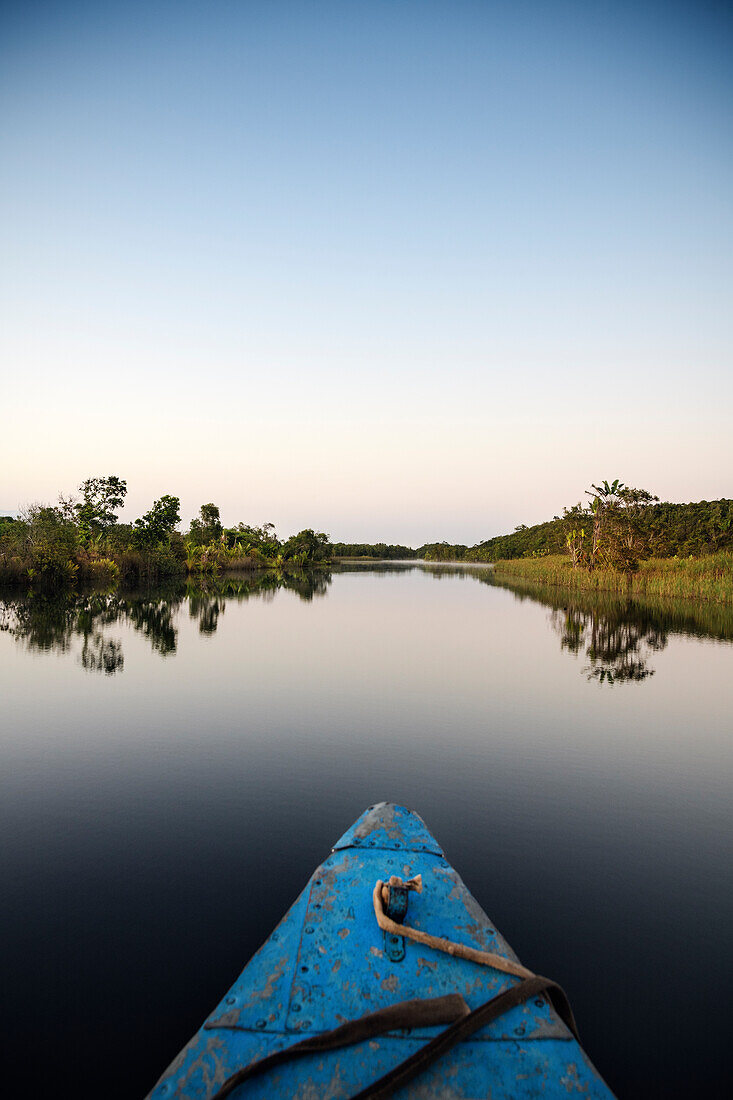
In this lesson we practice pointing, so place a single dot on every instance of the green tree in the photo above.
(575, 520)
(207, 527)
(51, 542)
(102, 497)
(261, 539)
(620, 535)
(307, 546)
(157, 525)
(604, 501)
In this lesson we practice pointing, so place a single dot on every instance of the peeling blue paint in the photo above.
(327, 962)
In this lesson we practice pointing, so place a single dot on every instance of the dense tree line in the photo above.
(666, 529)
(659, 530)
(381, 551)
(540, 538)
(81, 539)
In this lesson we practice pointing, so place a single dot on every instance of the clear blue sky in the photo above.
(394, 270)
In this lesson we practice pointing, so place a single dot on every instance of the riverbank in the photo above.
(705, 578)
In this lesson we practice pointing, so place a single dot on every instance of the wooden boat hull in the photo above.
(328, 962)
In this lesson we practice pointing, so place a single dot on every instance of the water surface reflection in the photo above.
(231, 731)
(55, 622)
(617, 637)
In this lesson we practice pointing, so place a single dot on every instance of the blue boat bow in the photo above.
(328, 963)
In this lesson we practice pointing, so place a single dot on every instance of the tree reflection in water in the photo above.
(617, 647)
(100, 654)
(42, 622)
(619, 636)
(154, 619)
(206, 609)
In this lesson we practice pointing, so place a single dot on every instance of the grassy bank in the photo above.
(660, 614)
(705, 578)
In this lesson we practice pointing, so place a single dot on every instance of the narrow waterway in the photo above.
(168, 756)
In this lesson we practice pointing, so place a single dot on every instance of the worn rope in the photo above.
(464, 1028)
(450, 1009)
(459, 950)
(407, 1014)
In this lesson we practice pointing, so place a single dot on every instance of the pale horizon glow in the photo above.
(399, 272)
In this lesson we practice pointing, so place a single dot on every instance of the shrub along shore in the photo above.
(79, 541)
(705, 578)
(620, 540)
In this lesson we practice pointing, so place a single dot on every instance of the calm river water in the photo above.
(176, 764)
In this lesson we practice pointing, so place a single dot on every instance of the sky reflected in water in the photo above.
(163, 755)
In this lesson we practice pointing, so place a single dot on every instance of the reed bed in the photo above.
(706, 578)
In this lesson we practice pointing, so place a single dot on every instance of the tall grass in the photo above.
(239, 563)
(13, 569)
(706, 578)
